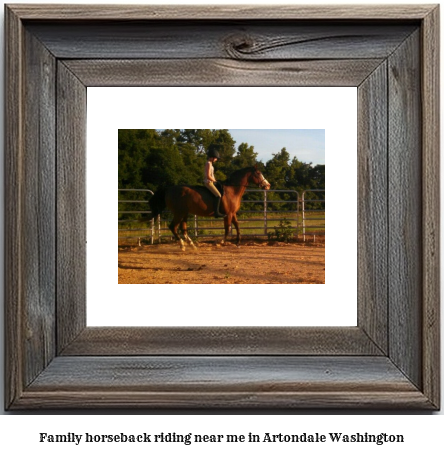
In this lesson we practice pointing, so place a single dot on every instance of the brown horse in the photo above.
(183, 200)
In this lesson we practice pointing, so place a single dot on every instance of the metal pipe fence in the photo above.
(266, 208)
(128, 221)
(312, 206)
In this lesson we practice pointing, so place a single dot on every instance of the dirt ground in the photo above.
(254, 263)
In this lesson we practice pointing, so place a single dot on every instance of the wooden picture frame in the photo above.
(390, 360)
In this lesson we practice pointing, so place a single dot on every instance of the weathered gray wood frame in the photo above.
(390, 360)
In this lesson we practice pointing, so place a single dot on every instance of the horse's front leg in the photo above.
(236, 225)
(227, 226)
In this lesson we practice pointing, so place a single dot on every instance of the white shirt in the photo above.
(209, 171)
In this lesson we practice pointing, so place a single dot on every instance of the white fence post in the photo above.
(265, 213)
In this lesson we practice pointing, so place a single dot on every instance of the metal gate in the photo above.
(311, 211)
(254, 222)
(128, 230)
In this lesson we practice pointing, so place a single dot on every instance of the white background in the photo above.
(19, 433)
(329, 304)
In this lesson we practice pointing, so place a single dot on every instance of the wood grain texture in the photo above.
(220, 12)
(209, 373)
(13, 209)
(405, 209)
(234, 382)
(127, 341)
(372, 207)
(221, 72)
(38, 216)
(30, 209)
(430, 94)
(71, 206)
(246, 401)
(223, 40)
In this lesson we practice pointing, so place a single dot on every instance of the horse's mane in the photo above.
(236, 176)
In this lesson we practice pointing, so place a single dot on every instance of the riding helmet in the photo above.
(212, 152)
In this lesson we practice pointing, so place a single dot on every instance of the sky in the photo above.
(307, 145)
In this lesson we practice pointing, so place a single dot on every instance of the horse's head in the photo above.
(258, 178)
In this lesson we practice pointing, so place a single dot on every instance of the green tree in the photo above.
(134, 147)
(150, 158)
(317, 176)
(245, 156)
(277, 169)
(299, 175)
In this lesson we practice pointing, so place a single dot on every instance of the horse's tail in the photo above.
(157, 203)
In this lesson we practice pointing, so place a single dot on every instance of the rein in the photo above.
(245, 186)
(232, 185)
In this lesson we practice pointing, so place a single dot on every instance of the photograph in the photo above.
(226, 206)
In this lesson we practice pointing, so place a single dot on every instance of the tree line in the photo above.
(149, 159)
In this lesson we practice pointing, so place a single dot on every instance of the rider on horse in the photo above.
(209, 179)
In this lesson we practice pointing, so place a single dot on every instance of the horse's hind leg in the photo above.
(227, 226)
(173, 227)
(183, 227)
(236, 225)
